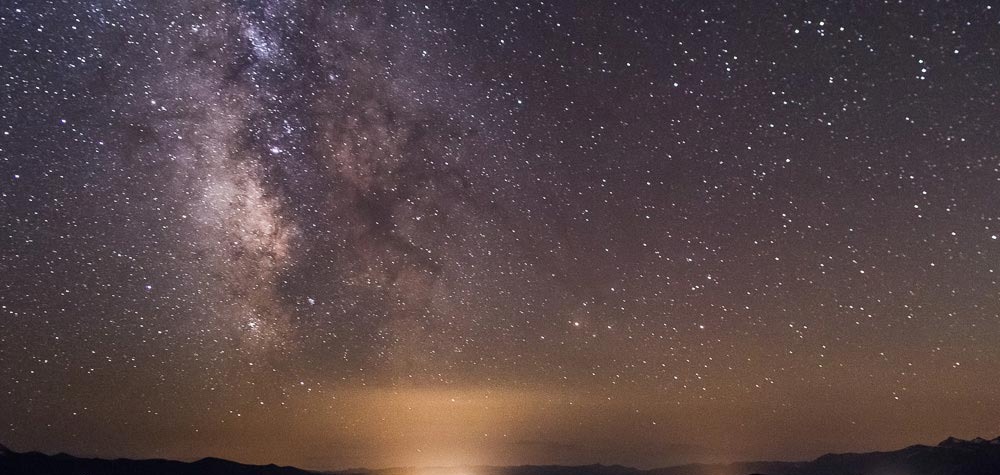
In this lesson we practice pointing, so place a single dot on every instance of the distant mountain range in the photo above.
(37, 463)
(951, 457)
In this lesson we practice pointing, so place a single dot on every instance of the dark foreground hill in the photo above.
(36, 463)
(950, 457)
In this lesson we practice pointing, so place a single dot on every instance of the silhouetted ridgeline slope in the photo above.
(950, 457)
(35, 463)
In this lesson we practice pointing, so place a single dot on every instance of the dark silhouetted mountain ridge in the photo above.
(36, 463)
(950, 457)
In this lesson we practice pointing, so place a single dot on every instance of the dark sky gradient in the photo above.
(337, 234)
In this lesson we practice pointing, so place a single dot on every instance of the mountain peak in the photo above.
(950, 442)
(955, 441)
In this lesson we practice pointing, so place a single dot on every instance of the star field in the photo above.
(336, 234)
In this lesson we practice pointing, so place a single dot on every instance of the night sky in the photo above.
(341, 234)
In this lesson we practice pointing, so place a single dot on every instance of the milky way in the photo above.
(339, 234)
